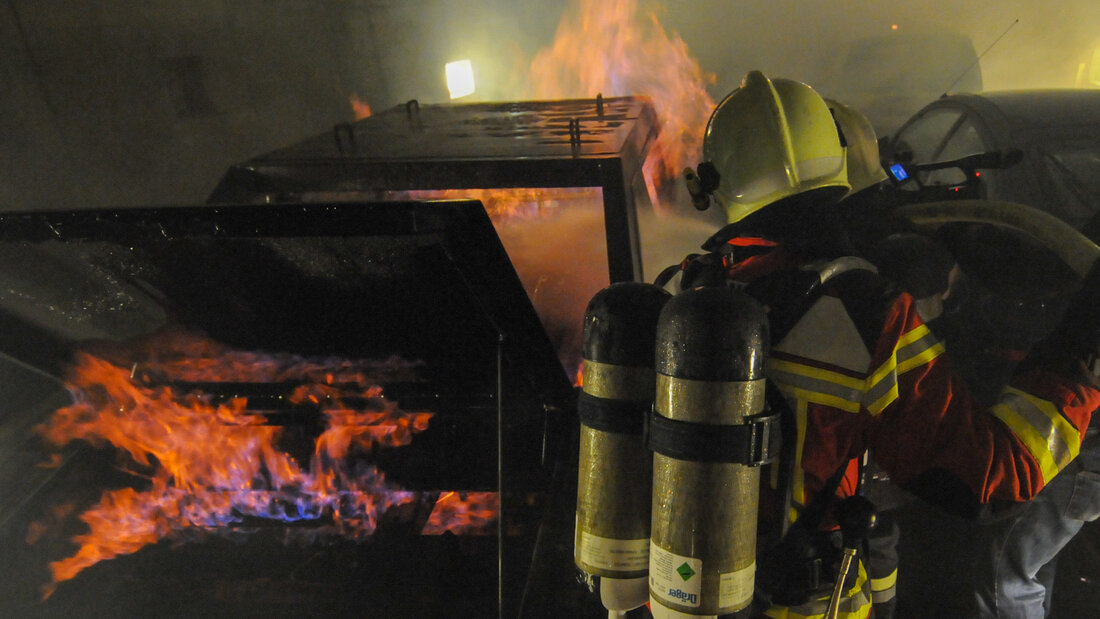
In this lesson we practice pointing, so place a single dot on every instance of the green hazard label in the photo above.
(672, 578)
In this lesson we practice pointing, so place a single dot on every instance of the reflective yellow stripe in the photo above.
(884, 589)
(916, 348)
(913, 349)
(825, 399)
(887, 398)
(922, 358)
(816, 385)
(855, 605)
(798, 486)
(783, 365)
(1040, 426)
(875, 392)
(886, 582)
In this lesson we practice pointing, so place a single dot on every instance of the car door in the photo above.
(945, 133)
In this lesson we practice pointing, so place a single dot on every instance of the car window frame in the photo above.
(965, 114)
(923, 118)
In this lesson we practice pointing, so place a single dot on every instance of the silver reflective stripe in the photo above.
(832, 268)
(914, 349)
(816, 386)
(876, 397)
(884, 589)
(1040, 426)
(907, 354)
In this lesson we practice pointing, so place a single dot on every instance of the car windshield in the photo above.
(1073, 167)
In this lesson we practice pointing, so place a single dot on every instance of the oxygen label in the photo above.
(619, 555)
(734, 588)
(675, 578)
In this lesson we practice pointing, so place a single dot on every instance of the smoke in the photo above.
(667, 239)
(562, 261)
(860, 51)
(71, 142)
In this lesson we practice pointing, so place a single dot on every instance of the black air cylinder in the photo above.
(615, 467)
(712, 346)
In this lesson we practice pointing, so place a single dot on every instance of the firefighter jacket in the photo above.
(863, 373)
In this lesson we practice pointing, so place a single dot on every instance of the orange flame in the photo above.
(507, 205)
(605, 48)
(359, 107)
(214, 462)
(473, 512)
(609, 47)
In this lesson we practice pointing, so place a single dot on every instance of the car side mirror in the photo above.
(946, 177)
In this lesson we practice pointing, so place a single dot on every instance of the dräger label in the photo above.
(620, 555)
(675, 578)
(735, 588)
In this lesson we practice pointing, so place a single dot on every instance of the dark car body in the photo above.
(1056, 134)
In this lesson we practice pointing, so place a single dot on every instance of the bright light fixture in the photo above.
(460, 78)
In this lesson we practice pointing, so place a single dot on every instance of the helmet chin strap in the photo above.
(806, 222)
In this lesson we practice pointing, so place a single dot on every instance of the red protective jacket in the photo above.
(864, 373)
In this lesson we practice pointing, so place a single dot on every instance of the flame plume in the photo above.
(603, 46)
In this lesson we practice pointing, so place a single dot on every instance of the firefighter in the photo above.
(864, 211)
(998, 321)
(856, 365)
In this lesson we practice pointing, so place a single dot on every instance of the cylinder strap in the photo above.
(753, 443)
(617, 416)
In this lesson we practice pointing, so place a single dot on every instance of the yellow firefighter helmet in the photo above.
(771, 139)
(861, 152)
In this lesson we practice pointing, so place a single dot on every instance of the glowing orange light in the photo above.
(507, 204)
(893, 26)
(360, 107)
(472, 513)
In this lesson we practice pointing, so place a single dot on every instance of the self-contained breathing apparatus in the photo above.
(714, 421)
(672, 400)
(797, 561)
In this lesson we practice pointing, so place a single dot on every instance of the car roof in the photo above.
(1028, 110)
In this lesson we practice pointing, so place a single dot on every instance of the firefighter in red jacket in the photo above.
(859, 370)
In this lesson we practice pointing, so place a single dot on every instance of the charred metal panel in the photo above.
(536, 144)
(426, 282)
